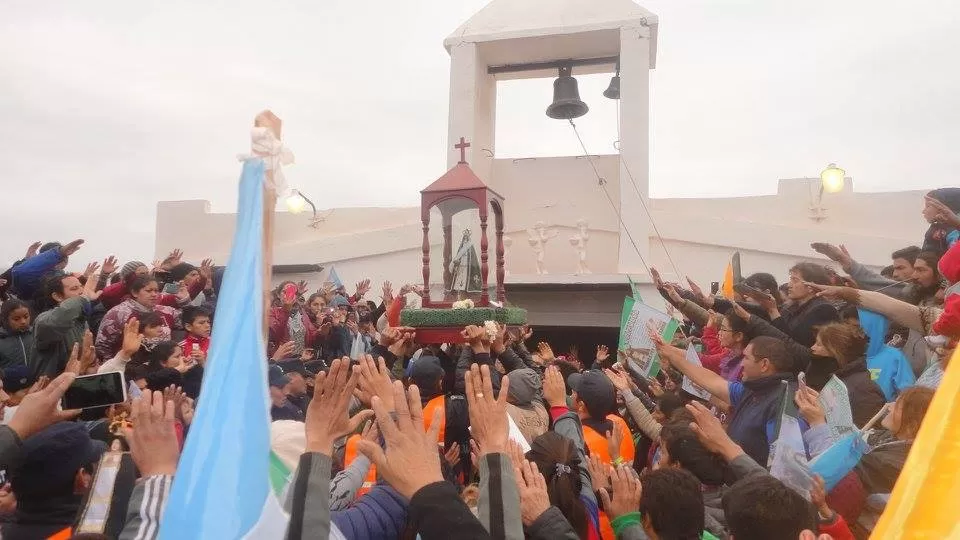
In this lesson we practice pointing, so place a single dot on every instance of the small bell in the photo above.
(566, 98)
(613, 91)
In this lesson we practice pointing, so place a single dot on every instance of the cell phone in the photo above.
(749, 290)
(714, 287)
(97, 390)
(802, 380)
(289, 292)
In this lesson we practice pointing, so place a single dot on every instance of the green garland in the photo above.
(431, 318)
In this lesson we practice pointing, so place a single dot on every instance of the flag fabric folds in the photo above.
(222, 487)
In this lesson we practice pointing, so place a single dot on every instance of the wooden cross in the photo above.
(462, 146)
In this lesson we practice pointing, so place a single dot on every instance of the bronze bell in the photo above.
(566, 98)
(613, 91)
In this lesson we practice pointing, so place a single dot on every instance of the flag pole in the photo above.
(268, 120)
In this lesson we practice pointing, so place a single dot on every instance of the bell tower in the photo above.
(561, 39)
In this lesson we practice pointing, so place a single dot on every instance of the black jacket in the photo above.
(866, 398)
(801, 322)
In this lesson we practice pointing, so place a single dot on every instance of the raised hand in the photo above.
(206, 269)
(626, 492)
(284, 351)
(88, 354)
(619, 380)
(374, 381)
(328, 413)
(672, 293)
(71, 248)
(477, 337)
(90, 291)
(153, 439)
(545, 351)
(704, 299)
(657, 279)
(452, 455)
(302, 288)
(614, 438)
(532, 487)
(488, 414)
(40, 409)
(132, 338)
(834, 253)
(173, 259)
(602, 353)
(33, 249)
(91, 269)
(363, 288)
(387, 290)
(109, 266)
(942, 213)
(554, 390)
(410, 460)
(711, 433)
(833, 292)
(599, 473)
(526, 332)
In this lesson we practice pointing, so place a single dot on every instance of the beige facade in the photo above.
(771, 232)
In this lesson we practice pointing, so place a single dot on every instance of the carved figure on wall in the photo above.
(539, 236)
(579, 243)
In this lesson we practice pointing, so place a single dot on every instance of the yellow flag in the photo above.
(924, 503)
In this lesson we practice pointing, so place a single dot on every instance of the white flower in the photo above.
(491, 328)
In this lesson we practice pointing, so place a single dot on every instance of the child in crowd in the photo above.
(16, 334)
(196, 321)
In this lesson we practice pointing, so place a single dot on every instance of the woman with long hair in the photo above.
(558, 460)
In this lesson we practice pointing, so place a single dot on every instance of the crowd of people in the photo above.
(494, 437)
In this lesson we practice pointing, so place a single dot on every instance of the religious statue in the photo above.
(539, 236)
(579, 242)
(465, 267)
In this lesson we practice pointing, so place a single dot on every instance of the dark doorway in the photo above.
(585, 338)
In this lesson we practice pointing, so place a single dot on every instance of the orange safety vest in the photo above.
(432, 405)
(597, 443)
(65, 534)
(350, 454)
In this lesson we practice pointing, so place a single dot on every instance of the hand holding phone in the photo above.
(97, 390)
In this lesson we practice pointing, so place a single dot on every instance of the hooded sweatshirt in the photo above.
(888, 366)
(940, 238)
(522, 405)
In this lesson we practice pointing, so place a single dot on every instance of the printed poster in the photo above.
(688, 385)
(635, 345)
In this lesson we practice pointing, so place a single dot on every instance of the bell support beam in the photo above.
(554, 64)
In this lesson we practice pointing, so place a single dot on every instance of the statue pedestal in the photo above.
(445, 325)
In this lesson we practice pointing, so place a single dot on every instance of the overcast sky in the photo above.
(110, 106)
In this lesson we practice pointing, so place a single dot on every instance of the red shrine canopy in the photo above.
(458, 190)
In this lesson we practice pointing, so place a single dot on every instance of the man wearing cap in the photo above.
(595, 402)
(50, 484)
(427, 373)
(16, 383)
(281, 408)
(296, 390)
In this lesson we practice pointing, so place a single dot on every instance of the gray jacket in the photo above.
(56, 331)
(145, 508)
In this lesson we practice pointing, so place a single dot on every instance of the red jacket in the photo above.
(280, 333)
(187, 344)
(714, 353)
(838, 529)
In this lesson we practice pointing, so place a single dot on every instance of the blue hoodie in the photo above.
(26, 276)
(888, 366)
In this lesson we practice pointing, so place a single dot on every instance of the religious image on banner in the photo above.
(835, 400)
(465, 267)
(636, 351)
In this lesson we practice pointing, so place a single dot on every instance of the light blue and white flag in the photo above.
(222, 486)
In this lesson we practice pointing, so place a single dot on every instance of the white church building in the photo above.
(600, 233)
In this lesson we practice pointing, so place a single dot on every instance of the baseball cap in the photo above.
(52, 458)
(596, 392)
(293, 365)
(277, 378)
(425, 372)
(16, 378)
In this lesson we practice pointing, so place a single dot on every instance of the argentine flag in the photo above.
(222, 488)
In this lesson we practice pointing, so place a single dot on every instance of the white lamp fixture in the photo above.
(832, 178)
(296, 202)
